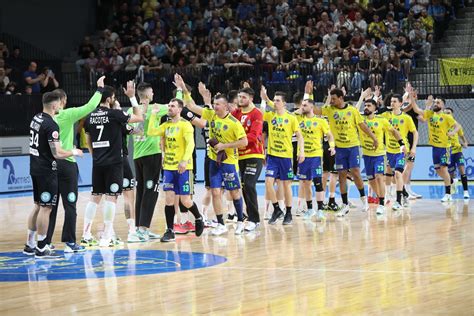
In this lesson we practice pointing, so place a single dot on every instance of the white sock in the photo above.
(109, 215)
(302, 203)
(131, 225)
(89, 215)
(31, 239)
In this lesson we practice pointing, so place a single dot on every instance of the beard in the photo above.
(367, 112)
(436, 108)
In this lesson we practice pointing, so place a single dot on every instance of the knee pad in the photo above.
(318, 184)
(389, 174)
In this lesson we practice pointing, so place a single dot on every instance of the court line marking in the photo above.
(344, 270)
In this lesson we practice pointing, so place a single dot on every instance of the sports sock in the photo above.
(399, 196)
(195, 211)
(239, 210)
(464, 182)
(447, 189)
(31, 238)
(169, 214)
(109, 215)
(344, 198)
(89, 215)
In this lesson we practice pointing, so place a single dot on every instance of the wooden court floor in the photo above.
(420, 262)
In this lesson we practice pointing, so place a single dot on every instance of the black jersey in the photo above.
(43, 131)
(104, 127)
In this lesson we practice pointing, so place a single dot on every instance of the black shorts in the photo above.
(207, 179)
(128, 180)
(45, 189)
(107, 179)
(328, 160)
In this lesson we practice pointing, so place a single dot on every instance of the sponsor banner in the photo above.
(15, 173)
(456, 71)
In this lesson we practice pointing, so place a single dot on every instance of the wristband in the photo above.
(100, 90)
(308, 96)
(75, 152)
(134, 102)
(332, 144)
(401, 143)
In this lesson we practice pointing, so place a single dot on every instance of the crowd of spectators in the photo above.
(354, 44)
(19, 76)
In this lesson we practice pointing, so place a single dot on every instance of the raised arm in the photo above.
(137, 115)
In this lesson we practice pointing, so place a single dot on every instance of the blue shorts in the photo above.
(310, 168)
(180, 183)
(441, 157)
(396, 161)
(224, 175)
(347, 158)
(374, 165)
(457, 160)
(279, 168)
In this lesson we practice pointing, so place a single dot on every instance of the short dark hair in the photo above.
(449, 108)
(337, 92)
(60, 92)
(398, 96)
(249, 91)
(371, 101)
(232, 94)
(281, 94)
(180, 102)
(298, 97)
(49, 97)
(143, 86)
(221, 96)
(442, 99)
(107, 92)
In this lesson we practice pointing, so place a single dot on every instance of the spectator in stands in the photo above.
(287, 56)
(230, 28)
(253, 52)
(356, 42)
(418, 38)
(4, 53)
(343, 22)
(49, 83)
(32, 78)
(406, 52)
(4, 80)
(28, 90)
(11, 88)
(16, 63)
(427, 21)
(132, 60)
(407, 23)
(325, 24)
(360, 24)
(368, 47)
(361, 70)
(269, 53)
(304, 57)
(280, 39)
(330, 42)
(439, 13)
(325, 70)
(377, 28)
(392, 71)
(344, 68)
(91, 62)
(282, 9)
(235, 39)
(116, 61)
(84, 49)
(375, 69)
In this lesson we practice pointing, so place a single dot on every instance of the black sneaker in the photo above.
(333, 207)
(288, 219)
(168, 236)
(199, 227)
(231, 217)
(46, 253)
(277, 214)
(29, 251)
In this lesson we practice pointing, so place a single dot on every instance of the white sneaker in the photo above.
(239, 229)
(153, 235)
(105, 243)
(116, 241)
(380, 210)
(454, 186)
(219, 230)
(397, 206)
(447, 198)
(365, 203)
(251, 226)
(300, 212)
(405, 202)
(343, 210)
(466, 195)
(307, 216)
(133, 237)
(352, 205)
(268, 214)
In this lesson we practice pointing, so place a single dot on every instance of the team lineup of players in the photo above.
(317, 142)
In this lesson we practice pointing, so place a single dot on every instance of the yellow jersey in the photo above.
(280, 131)
(403, 123)
(225, 130)
(438, 126)
(344, 125)
(178, 141)
(454, 141)
(379, 126)
(313, 130)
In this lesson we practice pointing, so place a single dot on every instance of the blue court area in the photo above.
(98, 264)
(429, 190)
